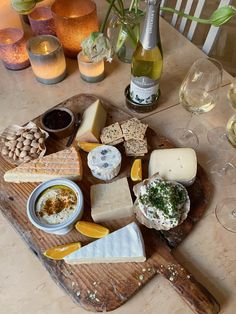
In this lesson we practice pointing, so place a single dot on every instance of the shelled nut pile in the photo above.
(24, 145)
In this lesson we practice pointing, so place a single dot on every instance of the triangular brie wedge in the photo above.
(123, 245)
(63, 164)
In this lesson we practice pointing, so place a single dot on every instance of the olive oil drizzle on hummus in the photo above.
(64, 198)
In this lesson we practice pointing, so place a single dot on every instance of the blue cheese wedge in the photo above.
(104, 162)
(177, 164)
(121, 246)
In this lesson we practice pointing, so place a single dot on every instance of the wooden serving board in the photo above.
(105, 287)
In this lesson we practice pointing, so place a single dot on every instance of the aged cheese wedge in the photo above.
(93, 121)
(123, 245)
(178, 164)
(63, 164)
(111, 201)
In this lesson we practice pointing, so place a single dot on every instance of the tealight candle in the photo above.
(13, 49)
(47, 59)
(74, 21)
(41, 21)
(91, 72)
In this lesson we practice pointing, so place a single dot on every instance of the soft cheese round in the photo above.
(104, 162)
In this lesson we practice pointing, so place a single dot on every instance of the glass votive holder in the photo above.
(41, 21)
(13, 49)
(74, 21)
(91, 72)
(47, 59)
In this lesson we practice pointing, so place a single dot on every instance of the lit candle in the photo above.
(91, 72)
(13, 49)
(41, 21)
(47, 59)
(74, 21)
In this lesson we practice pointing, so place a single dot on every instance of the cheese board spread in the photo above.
(111, 204)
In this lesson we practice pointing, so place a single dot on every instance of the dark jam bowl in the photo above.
(59, 122)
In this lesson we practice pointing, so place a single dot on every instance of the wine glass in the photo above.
(198, 94)
(226, 213)
(225, 140)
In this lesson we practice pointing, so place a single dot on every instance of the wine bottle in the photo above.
(147, 61)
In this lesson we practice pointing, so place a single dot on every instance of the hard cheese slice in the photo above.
(123, 245)
(63, 164)
(178, 164)
(93, 121)
(111, 201)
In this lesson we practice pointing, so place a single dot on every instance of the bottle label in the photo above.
(143, 90)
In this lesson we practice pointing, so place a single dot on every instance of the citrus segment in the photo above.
(60, 251)
(87, 147)
(136, 170)
(91, 229)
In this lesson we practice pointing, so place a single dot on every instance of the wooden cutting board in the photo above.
(105, 287)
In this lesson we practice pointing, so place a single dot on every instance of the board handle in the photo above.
(200, 300)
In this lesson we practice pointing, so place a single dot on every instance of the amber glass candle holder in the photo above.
(41, 21)
(91, 72)
(13, 49)
(47, 59)
(74, 21)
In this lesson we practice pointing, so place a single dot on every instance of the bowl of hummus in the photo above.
(55, 206)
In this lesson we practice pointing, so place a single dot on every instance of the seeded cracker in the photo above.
(136, 147)
(111, 133)
(133, 129)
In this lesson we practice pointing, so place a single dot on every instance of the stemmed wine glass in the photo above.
(226, 213)
(198, 94)
(225, 140)
(226, 209)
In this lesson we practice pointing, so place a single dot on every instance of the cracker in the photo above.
(111, 133)
(116, 142)
(136, 147)
(133, 129)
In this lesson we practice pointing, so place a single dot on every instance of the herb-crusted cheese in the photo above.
(104, 162)
(163, 204)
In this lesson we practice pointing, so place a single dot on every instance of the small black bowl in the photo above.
(56, 115)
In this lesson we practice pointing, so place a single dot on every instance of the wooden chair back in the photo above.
(186, 7)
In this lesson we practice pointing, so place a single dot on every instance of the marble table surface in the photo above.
(209, 252)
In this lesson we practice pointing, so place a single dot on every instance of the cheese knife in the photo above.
(73, 134)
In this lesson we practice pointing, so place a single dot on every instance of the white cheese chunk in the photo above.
(104, 162)
(123, 245)
(111, 201)
(93, 121)
(178, 164)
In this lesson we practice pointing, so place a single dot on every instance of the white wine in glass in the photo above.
(198, 94)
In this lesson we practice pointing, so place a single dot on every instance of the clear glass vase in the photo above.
(124, 32)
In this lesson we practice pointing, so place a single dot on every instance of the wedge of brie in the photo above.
(123, 245)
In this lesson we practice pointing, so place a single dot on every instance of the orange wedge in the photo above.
(91, 229)
(60, 251)
(87, 147)
(136, 170)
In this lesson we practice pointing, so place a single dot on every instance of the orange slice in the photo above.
(91, 229)
(87, 147)
(136, 170)
(60, 251)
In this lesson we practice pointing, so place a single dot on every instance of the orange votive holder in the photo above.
(74, 21)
